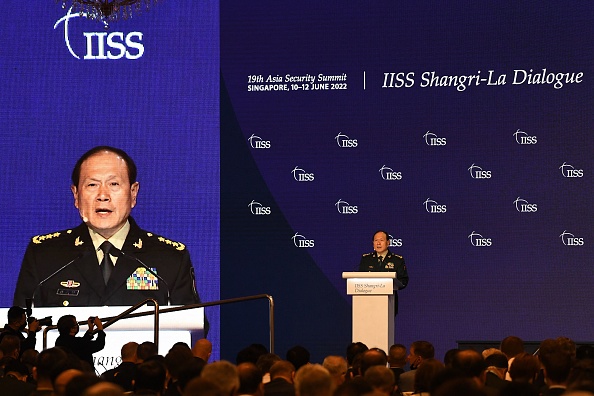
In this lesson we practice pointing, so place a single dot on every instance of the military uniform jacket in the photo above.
(370, 262)
(81, 283)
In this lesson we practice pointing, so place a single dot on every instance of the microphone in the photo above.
(31, 300)
(114, 251)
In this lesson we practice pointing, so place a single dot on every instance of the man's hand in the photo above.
(98, 323)
(34, 326)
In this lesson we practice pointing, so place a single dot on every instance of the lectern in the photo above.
(373, 307)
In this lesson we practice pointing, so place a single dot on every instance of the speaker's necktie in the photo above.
(106, 263)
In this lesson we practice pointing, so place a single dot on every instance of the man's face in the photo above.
(104, 196)
(413, 359)
(380, 242)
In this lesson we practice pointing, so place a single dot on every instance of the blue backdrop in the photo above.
(462, 129)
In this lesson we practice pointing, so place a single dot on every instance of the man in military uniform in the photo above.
(383, 260)
(101, 262)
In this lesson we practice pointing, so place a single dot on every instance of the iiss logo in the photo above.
(478, 240)
(257, 209)
(476, 172)
(570, 171)
(301, 242)
(524, 206)
(432, 139)
(302, 176)
(344, 141)
(432, 206)
(103, 45)
(345, 208)
(524, 138)
(256, 142)
(570, 239)
(389, 174)
(395, 242)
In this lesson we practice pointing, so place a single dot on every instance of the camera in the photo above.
(47, 321)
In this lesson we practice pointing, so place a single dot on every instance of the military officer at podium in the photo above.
(383, 260)
(102, 261)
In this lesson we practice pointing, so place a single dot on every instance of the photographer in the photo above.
(17, 325)
(84, 346)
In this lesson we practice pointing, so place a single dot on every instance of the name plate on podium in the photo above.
(369, 286)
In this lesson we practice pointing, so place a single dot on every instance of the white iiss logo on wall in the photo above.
(395, 242)
(101, 45)
(476, 172)
(431, 206)
(570, 239)
(258, 209)
(344, 141)
(523, 137)
(431, 139)
(523, 206)
(256, 142)
(478, 240)
(389, 174)
(571, 171)
(345, 208)
(301, 175)
(302, 242)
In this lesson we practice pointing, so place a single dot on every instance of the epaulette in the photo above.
(38, 239)
(400, 257)
(367, 254)
(176, 245)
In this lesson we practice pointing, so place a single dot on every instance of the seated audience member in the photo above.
(145, 351)
(472, 364)
(556, 361)
(519, 389)
(459, 387)
(313, 380)
(299, 356)
(151, 377)
(264, 363)
(282, 374)
(425, 376)
(250, 380)
(84, 346)
(50, 363)
(419, 351)
(224, 375)
(104, 388)
(353, 350)
(397, 359)
(355, 387)
(14, 382)
(584, 352)
(177, 358)
(373, 357)
(63, 379)
(123, 375)
(337, 367)
(381, 379)
(203, 387)
(17, 324)
(524, 368)
(511, 346)
(188, 373)
(449, 355)
(10, 346)
(581, 373)
(79, 384)
(202, 349)
(251, 353)
(496, 371)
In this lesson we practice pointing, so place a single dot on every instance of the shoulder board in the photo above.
(367, 254)
(400, 257)
(176, 245)
(38, 239)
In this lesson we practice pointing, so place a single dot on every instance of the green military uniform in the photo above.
(371, 262)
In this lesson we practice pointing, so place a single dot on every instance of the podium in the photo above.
(373, 307)
(177, 326)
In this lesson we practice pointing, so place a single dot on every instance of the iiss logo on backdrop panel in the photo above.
(100, 45)
(256, 142)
